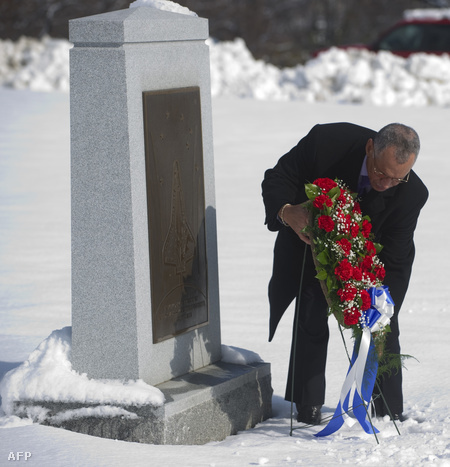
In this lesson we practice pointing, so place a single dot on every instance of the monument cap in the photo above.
(139, 24)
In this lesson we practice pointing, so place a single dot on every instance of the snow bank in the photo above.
(39, 65)
(337, 76)
(47, 375)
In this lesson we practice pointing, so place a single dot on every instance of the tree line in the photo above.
(282, 32)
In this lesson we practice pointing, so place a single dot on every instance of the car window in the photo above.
(408, 37)
(437, 37)
(417, 37)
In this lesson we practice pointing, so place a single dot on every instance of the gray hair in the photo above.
(402, 137)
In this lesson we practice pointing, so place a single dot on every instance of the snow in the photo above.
(352, 76)
(163, 5)
(47, 374)
(39, 65)
(231, 354)
(427, 13)
(249, 136)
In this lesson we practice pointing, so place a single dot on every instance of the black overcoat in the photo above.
(337, 150)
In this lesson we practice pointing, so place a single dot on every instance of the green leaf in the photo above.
(378, 247)
(334, 192)
(322, 257)
(321, 275)
(312, 191)
(329, 283)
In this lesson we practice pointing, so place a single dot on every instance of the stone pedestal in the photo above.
(209, 405)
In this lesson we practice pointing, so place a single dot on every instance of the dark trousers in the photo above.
(310, 353)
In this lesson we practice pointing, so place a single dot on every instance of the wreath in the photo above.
(345, 253)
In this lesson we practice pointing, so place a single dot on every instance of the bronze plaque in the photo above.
(176, 211)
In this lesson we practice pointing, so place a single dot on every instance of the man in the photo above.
(379, 166)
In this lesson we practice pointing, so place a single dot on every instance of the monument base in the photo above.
(206, 405)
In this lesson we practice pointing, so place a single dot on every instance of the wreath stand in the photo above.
(297, 312)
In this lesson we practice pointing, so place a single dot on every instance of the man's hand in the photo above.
(297, 217)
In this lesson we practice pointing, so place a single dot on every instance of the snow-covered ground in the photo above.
(249, 136)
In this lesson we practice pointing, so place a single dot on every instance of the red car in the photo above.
(425, 31)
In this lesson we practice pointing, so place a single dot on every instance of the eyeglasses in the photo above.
(396, 181)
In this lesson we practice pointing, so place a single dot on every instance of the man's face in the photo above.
(383, 170)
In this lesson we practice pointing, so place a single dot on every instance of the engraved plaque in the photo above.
(176, 211)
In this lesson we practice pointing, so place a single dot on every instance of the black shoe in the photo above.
(309, 414)
(399, 417)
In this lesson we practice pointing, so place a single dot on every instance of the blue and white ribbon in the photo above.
(358, 385)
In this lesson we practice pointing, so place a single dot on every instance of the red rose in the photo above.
(326, 223)
(321, 200)
(357, 208)
(346, 223)
(325, 183)
(380, 272)
(366, 300)
(367, 263)
(342, 198)
(344, 270)
(366, 228)
(345, 245)
(370, 277)
(357, 274)
(370, 248)
(348, 293)
(351, 316)
(354, 230)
